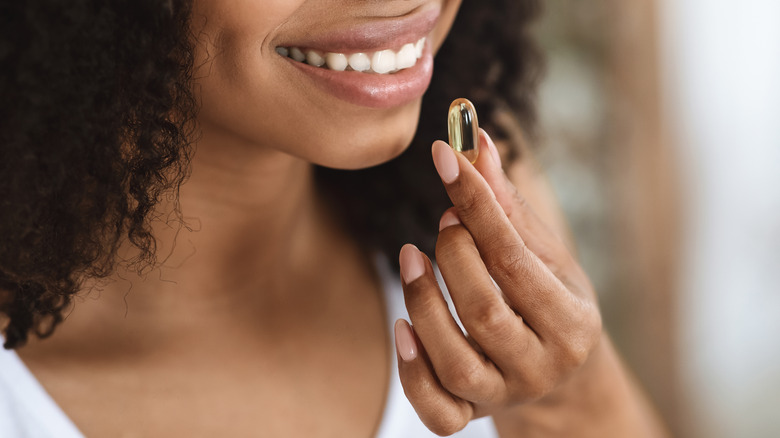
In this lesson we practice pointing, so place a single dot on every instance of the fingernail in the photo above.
(492, 146)
(448, 219)
(412, 263)
(404, 341)
(445, 161)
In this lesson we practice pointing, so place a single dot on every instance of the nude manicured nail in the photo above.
(404, 341)
(412, 263)
(446, 162)
(492, 146)
(448, 219)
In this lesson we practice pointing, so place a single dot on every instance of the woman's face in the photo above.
(250, 91)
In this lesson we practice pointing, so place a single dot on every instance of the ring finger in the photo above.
(500, 332)
(459, 367)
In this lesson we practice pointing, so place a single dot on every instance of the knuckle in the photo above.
(446, 425)
(470, 201)
(533, 381)
(507, 261)
(532, 385)
(522, 345)
(580, 341)
(417, 389)
(491, 318)
(450, 240)
(463, 379)
(423, 299)
(473, 207)
(575, 353)
(539, 387)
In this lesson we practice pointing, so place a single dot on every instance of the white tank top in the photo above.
(27, 410)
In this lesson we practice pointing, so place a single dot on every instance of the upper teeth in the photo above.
(382, 62)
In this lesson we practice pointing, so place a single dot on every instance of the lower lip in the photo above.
(370, 89)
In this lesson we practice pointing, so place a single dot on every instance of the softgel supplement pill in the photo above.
(464, 128)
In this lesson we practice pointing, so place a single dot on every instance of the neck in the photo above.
(256, 247)
(253, 212)
(251, 218)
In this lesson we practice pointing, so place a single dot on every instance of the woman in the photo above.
(159, 165)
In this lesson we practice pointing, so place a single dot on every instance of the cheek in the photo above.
(252, 16)
(230, 44)
(231, 59)
(448, 13)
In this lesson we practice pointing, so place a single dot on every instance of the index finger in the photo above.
(473, 198)
(528, 284)
(536, 234)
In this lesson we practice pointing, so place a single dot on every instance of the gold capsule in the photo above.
(464, 128)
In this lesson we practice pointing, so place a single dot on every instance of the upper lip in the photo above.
(372, 34)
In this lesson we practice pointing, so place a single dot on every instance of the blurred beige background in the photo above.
(661, 123)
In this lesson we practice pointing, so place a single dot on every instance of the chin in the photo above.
(366, 144)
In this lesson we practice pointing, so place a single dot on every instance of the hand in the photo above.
(525, 337)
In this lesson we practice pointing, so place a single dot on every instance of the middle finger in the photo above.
(488, 319)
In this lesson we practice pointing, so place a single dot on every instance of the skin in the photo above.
(535, 355)
(261, 301)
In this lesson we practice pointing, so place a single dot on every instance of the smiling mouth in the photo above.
(375, 62)
(378, 62)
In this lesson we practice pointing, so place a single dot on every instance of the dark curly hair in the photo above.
(97, 124)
